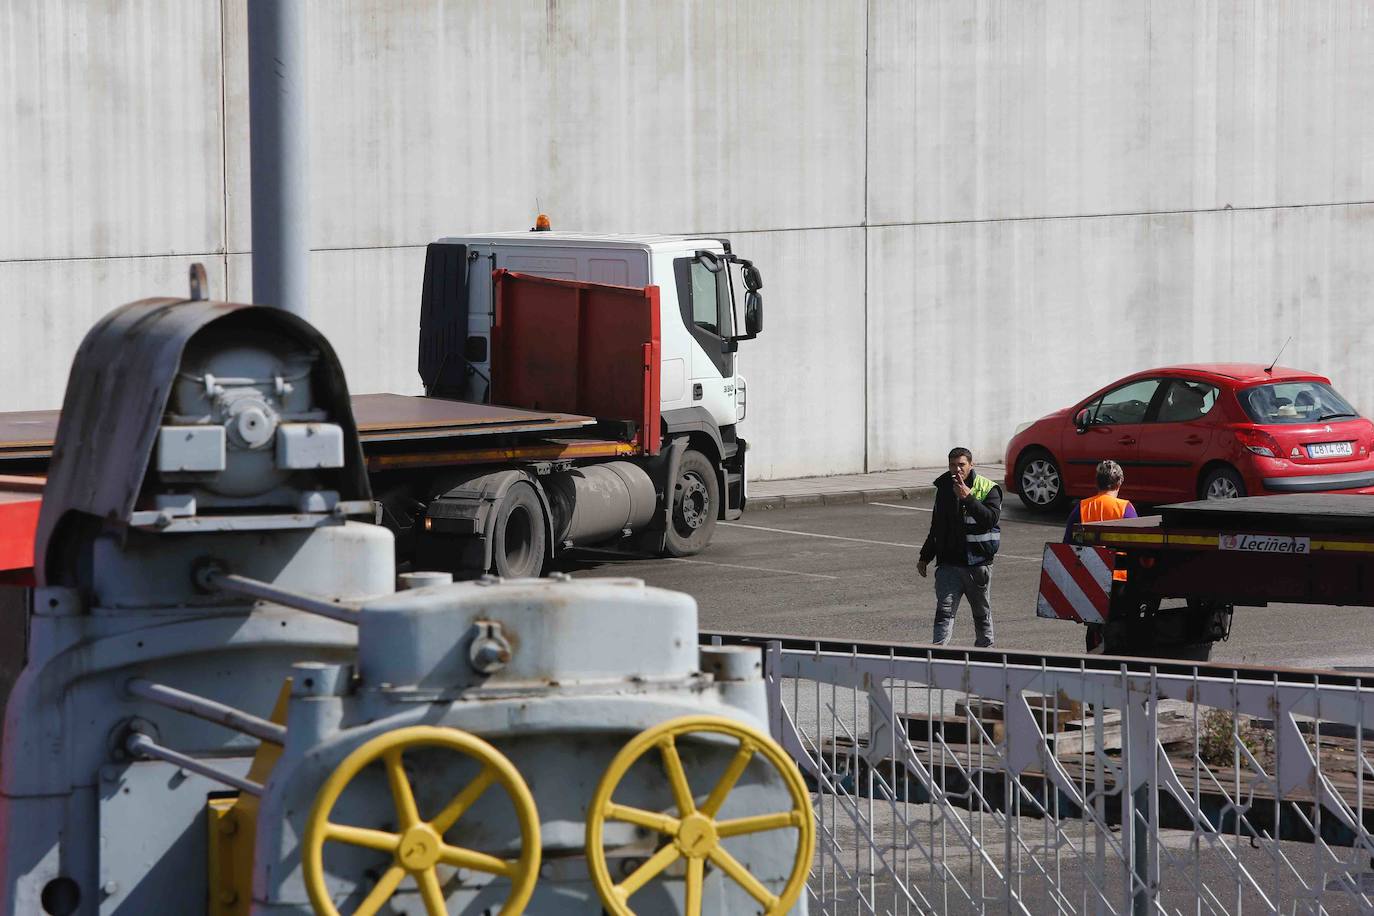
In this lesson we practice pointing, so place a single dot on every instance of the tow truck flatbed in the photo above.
(1263, 526)
(1215, 555)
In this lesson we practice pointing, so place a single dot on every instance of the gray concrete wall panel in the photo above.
(701, 116)
(48, 306)
(111, 138)
(436, 118)
(999, 111)
(367, 302)
(977, 327)
(426, 119)
(805, 372)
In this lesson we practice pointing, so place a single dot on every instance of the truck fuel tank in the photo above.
(599, 502)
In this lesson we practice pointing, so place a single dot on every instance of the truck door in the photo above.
(1113, 429)
(704, 300)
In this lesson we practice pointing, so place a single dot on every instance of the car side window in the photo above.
(1186, 400)
(1127, 404)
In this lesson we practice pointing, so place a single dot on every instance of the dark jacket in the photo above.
(948, 539)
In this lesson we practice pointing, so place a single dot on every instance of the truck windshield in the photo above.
(1295, 402)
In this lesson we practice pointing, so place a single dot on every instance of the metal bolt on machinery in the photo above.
(228, 707)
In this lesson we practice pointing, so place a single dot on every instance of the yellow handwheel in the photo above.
(695, 831)
(420, 845)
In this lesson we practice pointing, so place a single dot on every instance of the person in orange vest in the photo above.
(1106, 505)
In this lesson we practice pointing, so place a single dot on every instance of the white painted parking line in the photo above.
(907, 508)
(836, 537)
(828, 537)
(786, 572)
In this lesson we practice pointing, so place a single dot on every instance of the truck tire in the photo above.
(696, 503)
(1040, 481)
(519, 538)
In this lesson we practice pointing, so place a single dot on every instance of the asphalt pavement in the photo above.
(848, 571)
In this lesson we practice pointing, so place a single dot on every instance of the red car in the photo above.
(1189, 432)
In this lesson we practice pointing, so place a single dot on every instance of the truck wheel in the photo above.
(520, 540)
(1040, 482)
(696, 503)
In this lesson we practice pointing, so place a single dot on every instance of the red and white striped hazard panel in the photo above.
(1075, 583)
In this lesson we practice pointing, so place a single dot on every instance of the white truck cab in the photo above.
(697, 296)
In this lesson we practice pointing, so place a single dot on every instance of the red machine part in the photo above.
(1075, 583)
(20, 498)
(582, 348)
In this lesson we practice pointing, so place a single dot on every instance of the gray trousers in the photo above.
(972, 582)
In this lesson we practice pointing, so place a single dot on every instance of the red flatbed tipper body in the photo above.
(1213, 555)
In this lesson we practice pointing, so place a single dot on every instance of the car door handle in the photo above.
(1127, 440)
(1193, 440)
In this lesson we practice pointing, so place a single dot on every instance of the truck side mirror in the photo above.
(753, 280)
(753, 312)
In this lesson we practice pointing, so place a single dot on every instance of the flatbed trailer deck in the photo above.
(400, 433)
(1214, 556)
(392, 424)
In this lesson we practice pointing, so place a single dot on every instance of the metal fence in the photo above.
(975, 782)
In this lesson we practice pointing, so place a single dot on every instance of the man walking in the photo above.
(963, 540)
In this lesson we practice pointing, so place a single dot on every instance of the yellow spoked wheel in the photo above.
(695, 832)
(419, 846)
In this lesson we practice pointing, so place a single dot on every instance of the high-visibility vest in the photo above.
(981, 545)
(1104, 507)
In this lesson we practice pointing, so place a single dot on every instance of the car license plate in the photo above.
(1264, 543)
(1330, 450)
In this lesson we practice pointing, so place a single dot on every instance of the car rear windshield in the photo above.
(1295, 402)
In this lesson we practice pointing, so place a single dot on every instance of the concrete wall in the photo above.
(953, 202)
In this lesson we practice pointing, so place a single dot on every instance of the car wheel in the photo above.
(1222, 483)
(1040, 482)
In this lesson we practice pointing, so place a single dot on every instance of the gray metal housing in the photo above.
(119, 386)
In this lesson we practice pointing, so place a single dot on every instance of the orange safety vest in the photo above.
(1104, 507)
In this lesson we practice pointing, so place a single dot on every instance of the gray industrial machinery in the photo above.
(547, 746)
(196, 438)
(227, 706)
